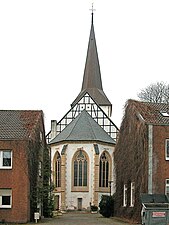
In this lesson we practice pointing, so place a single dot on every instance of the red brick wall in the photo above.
(16, 179)
(160, 165)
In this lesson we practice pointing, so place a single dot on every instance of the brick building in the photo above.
(141, 155)
(22, 141)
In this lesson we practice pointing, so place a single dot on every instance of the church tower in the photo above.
(92, 82)
(82, 143)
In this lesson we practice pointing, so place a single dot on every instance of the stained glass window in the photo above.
(58, 170)
(104, 170)
(80, 169)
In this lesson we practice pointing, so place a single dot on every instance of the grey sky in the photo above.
(43, 46)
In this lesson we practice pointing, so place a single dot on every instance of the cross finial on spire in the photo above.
(92, 9)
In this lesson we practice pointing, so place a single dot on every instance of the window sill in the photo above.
(5, 168)
(104, 189)
(5, 207)
(81, 189)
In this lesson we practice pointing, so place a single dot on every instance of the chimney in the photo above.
(53, 128)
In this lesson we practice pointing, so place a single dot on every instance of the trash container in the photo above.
(155, 209)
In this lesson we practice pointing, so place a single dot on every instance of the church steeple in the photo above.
(92, 75)
(92, 82)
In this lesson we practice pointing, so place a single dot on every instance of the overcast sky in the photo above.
(43, 46)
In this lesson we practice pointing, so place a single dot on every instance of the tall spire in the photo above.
(92, 82)
(92, 75)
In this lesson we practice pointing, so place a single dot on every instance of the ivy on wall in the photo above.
(131, 163)
(39, 176)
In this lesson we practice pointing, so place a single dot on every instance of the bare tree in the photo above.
(157, 93)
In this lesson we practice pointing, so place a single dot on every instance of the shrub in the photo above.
(106, 206)
(94, 208)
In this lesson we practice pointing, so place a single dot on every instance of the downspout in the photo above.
(150, 159)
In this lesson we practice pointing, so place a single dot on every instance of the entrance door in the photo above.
(79, 204)
(56, 202)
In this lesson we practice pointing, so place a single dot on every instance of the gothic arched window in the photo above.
(104, 170)
(57, 170)
(80, 165)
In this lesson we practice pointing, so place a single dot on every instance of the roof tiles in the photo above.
(152, 112)
(18, 124)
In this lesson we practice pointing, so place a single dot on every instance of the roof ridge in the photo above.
(74, 125)
(90, 123)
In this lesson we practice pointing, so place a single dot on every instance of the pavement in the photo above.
(82, 219)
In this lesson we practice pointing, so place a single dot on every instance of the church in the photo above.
(82, 143)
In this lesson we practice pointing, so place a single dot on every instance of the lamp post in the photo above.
(110, 182)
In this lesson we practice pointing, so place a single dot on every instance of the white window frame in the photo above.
(166, 145)
(1, 159)
(164, 113)
(125, 195)
(167, 186)
(40, 169)
(132, 194)
(3, 193)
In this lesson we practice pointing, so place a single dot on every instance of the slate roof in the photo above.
(83, 128)
(152, 112)
(92, 82)
(18, 124)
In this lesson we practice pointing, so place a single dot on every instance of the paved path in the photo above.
(81, 219)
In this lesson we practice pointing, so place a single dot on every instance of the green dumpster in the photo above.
(155, 209)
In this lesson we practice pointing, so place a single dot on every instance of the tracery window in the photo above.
(80, 165)
(104, 170)
(57, 170)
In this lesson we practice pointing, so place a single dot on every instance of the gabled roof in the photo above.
(83, 128)
(153, 113)
(18, 124)
(92, 82)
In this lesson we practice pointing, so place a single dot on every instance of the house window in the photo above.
(40, 169)
(5, 198)
(125, 195)
(165, 114)
(80, 165)
(104, 170)
(57, 170)
(132, 194)
(41, 136)
(167, 149)
(5, 159)
(167, 187)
